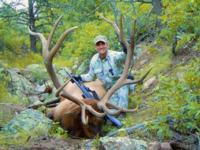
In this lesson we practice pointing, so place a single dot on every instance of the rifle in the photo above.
(87, 93)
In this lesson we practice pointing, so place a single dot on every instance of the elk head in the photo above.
(75, 113)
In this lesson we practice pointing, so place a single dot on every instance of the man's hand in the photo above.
(131, 77)
(124, 48)
(77, 78)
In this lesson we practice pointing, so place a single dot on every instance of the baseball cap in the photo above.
(99, 38)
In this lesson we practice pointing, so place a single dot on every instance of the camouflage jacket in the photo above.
(107, 70)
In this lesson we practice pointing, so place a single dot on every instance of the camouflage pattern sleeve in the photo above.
(90, 75)
(119, 56)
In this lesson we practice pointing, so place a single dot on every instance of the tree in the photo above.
(38, 14)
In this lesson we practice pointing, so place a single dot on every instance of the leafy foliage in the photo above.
(179, 100)
(180, 19)
(57, 131)
(14, 40)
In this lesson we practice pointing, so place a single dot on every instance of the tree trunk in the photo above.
(31, 24)
(157, 6)
(157, 9)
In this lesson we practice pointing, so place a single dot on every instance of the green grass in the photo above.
(20, 60)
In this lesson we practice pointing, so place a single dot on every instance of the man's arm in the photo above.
(123, 47)
(90, 75)
(119, 56)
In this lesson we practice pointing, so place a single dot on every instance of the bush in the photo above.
(179, 99)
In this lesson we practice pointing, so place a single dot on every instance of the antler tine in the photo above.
(52, 31)
(117, 110)
(84, 118)
(60, 41)
(102, 103)
(132, 38)
(71, 98)
(128, 81)
(121, 35)
(94, 112)
(118, 30)
(110, 111)
(111, 23)
(81, 104)
(43, 40)
(62, 87)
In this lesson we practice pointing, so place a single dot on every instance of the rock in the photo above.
(122, 143)
(33, 99)
(166, 146)
(8, 111)
(36, 73)
(159, 146)
(188, 142)
(149, 82)
(154, 146)
(24, 88)
(29, 121)
(19, 85)
(40, 88)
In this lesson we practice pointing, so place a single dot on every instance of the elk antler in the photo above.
(48, 55)
(123, 79)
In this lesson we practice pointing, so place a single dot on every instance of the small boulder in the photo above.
(122, 143)
(154, 146)
(36, 73)
(166, 146)
(19, 85)
(159, 146)
(28, 121)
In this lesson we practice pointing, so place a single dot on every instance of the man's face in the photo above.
(101, 47)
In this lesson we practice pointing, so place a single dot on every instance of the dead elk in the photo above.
(81, 116)
(68, 113)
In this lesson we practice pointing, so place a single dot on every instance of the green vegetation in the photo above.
(174, 100)
(21, 60)
(57, 131)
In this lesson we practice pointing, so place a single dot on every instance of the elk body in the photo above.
(68, 113)
(83, 117)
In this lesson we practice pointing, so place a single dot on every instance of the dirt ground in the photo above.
(52, 144)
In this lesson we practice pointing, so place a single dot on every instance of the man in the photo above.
(106, 65)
